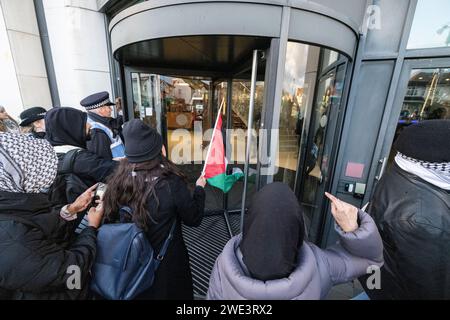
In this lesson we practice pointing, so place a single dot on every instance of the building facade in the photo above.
(337, 79)
(53, 53)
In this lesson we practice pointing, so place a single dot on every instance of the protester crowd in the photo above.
(54, 224)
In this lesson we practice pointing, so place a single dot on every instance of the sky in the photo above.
(295, 67)
(424, 29)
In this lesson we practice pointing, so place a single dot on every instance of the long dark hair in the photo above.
(132, 184)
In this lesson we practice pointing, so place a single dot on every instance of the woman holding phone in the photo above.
(38, 249)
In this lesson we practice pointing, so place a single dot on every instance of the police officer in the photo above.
(105, 131)
(34, 119)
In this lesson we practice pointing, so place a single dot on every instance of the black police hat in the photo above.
(31, 115)
(96, 100)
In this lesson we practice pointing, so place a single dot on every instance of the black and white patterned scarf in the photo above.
(435, 173)
(27, 164)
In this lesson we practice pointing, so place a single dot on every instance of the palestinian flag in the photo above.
(216, 162)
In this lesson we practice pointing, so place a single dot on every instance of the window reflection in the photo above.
(145, 98)
(320, 147)
(431, 25)
(329, 57)
(294, 103)
(427, 97)
(307, 125)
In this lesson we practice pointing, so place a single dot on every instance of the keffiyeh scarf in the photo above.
(437, 174)
(27, 164)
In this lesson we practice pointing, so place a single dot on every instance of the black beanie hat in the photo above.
(427, 141)
(143, 143)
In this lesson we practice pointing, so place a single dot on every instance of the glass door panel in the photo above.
(179, 109)
(320, 146)
(146, 98)
(184, 110)
(427, 97)
(295, 104)
(237, 138)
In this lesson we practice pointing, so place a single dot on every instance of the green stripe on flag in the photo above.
(225, 182)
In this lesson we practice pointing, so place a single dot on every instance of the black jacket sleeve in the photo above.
(189, 207)
(100, 144)
(89, 166)
(39, 267)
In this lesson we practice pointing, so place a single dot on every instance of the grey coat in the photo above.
(317, 271)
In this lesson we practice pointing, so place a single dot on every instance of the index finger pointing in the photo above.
(93, 187)
(331, 197)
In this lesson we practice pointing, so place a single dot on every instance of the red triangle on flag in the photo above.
(215, 163)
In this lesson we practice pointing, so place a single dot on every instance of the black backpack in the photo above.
(67, 186)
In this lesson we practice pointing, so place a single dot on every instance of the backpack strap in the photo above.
(165, 246)
(127, 210)
(69, 154)
(68, 161)
(123, 211)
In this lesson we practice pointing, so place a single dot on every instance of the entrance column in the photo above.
(272, 102)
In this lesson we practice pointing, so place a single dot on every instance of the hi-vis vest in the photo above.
(117, 146)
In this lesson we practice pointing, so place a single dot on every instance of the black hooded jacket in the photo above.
(100, 143)
(37, 251)
(413, 218)
(67, 126)
(286, 233)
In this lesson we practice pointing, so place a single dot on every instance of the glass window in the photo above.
(323, 126)
(299, 79)
(186, 106)
(307, 125)
(427, 97)
(431, 25)
(329, 57)
(145, 98)
(237, 137)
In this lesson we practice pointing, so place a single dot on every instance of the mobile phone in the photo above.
(100, 191)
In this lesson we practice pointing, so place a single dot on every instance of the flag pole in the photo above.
(249, 133)
(228, 150)
(212, 137)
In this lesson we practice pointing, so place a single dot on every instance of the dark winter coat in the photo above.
(67, 127)
(100, 143)
(173, 279)
(91, 168)
(413, 217)
(316, 272)
(36, 250)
